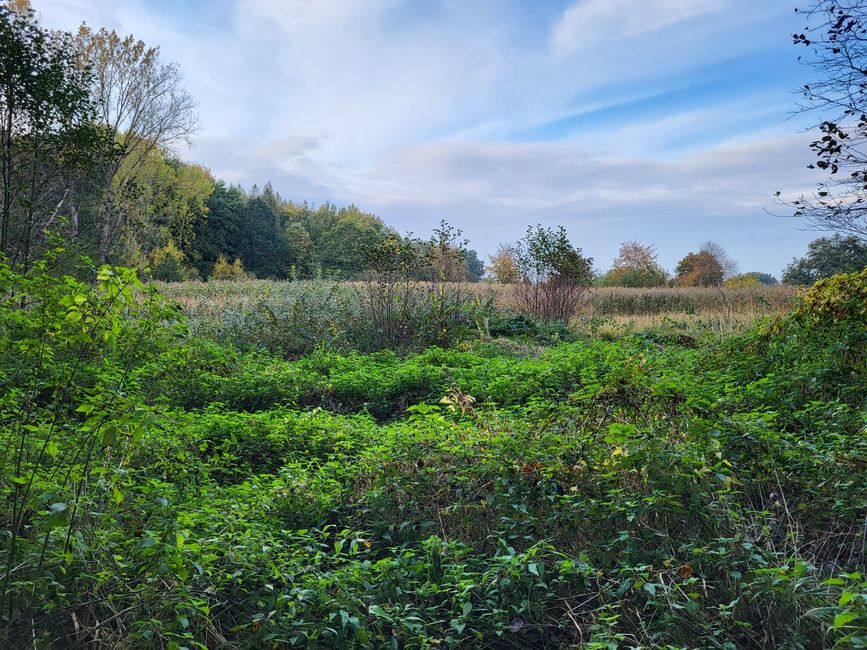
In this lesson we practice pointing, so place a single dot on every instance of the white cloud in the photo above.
(555, 175)
(589, 23)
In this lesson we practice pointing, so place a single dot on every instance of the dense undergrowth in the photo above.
(650, 491)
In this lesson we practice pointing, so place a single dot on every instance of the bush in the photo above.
(168, 265)
(554, 275)
(233, 272)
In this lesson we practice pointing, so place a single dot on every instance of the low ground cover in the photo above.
(539, 490)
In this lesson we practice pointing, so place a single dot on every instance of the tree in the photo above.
(729, 266)
(825, 257)
(503, 267)
(142, 105)
(553, 274)
(475, 266)
(708, 267)
(342, 235)
(219, 233)
(635, 266)
(47, 141)
(299, 251)
(751, 279)
(700, 269)
(835, 37)
(260, 244)
(446, 254)
(170, 198)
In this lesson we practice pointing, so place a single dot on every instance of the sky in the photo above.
(669, 122)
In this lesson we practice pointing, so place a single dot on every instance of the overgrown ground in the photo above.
(546, 489)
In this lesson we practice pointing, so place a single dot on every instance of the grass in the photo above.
(294, 317)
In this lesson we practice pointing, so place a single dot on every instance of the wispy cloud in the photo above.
(586, 24)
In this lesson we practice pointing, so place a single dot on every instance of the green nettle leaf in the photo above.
(118, 495)
(109, 435)
(843, 618)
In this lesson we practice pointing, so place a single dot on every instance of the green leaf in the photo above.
(118, 495)
(843, 618)
(109, 436)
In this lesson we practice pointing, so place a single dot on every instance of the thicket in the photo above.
(160, 491)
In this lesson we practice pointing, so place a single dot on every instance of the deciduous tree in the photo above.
(834, 36)
(825, 257)
(503, 267)
(142, 105)
(47, 141)
(635, 266)
(699, 269)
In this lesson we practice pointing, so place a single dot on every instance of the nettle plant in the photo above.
(73, 359)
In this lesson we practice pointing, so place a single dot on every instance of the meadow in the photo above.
(174, 479)
(296, 317)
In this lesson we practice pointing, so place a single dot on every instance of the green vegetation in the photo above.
(635, 266)
(825, 257)
(167, 491)
(413, 459)
(295, 318)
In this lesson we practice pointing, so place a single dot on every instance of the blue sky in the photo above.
(665, 121)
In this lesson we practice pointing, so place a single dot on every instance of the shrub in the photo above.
(223, 270)
(168, 264)
(837, 300)
(554, 274)
(750, 280)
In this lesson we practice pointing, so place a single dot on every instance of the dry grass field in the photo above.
(237, 310)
